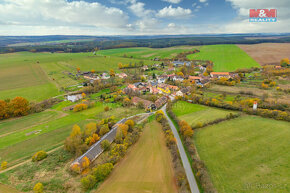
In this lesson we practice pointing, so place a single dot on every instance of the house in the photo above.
(74, 98)
(220, 74)
(161, 80)
(91, 78)
(164, 90)
(144, 68)
(171, 87)
(160, 102)
(122, 75)
(154, 90)
(186, 90)
(195, 79)
(171, 69)
(146, 104)
(105, 76)
(179, 93)
(178, 78)
(139, 84)
(181, 63)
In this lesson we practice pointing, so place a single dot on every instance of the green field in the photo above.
(147, 53)
(194, 113)
(226, 58)
(38, 76)
(248, 154)
(24, 136)
(144, 169)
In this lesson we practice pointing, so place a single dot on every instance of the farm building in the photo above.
(146, 104)
(160, 102)
(220, 74)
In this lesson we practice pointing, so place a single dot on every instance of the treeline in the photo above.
(20, 106)
(102, 44)
(176, 160)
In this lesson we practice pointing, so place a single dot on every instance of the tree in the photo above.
(76, 168)
(90, 128)
(84, 95)
(4, 110)
(102, 171)
(112, 73)
(85, 162)
(104, 129)
(180, 74)
(188, 132)
(78, 69)
(130, 123)
(80, 107)
(76, 131)
(154, 76)
(88, 182)
(4, 165)
(106, 108)
(20, 106)
(38, 188)
(105, 145)
(93, 71)
(285, 62)
(124, 129)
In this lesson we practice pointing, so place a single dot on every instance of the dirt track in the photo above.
(267, 53)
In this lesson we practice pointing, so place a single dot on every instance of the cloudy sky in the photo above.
(137, 17)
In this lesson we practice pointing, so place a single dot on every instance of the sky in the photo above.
(138, 17)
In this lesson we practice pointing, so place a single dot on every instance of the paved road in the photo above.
(184, 159)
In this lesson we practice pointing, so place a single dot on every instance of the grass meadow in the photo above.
(247, 154)
(226, 58)
(194, 113)
(144, 169)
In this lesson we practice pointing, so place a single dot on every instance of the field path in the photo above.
(190, 177)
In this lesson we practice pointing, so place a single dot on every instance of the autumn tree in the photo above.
(4, 165)
(93, 71)
(4, 110)
(130, 124)
(106, 108)
(88, 182)
(38, 188)
(285, 62)
(19, 106)
(90, 128)
(80, 107)
(104, 129)
(124, 129)
(85, 162)
(180, 74)
(112, 73)
(105, 145)
(78, 69)
(102, 171)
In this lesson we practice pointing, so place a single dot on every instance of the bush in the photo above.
(38, 188)
(106, 108)
(105, 145)
(39, 156)
(88, 182)
(104, 129)
(80, 107)
(4, 165)
(102, 171)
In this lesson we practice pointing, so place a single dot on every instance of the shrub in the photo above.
(104, 129)
(80, 107)
(105, 145)
(102, 171)
(75, 168)
(39, 156)
(106, 108)
(38, 188)
(88, 182)
(4, 165)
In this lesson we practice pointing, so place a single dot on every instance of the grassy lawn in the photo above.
(226, 58)
(144, 169)
(194, 113)
(243, 153)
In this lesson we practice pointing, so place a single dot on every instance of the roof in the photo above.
(161, 101)
(194, 78)
(146, 103)
(219, 73)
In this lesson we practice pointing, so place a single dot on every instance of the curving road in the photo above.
(184, 159)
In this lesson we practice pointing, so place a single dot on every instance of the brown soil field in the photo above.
(267, 53)
(147, 168)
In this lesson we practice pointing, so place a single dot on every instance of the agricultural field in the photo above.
(245, 154)
(38, 76)
(144, 169)
(194, 113)
(147, 53)
(226, 58)
(267, 53)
